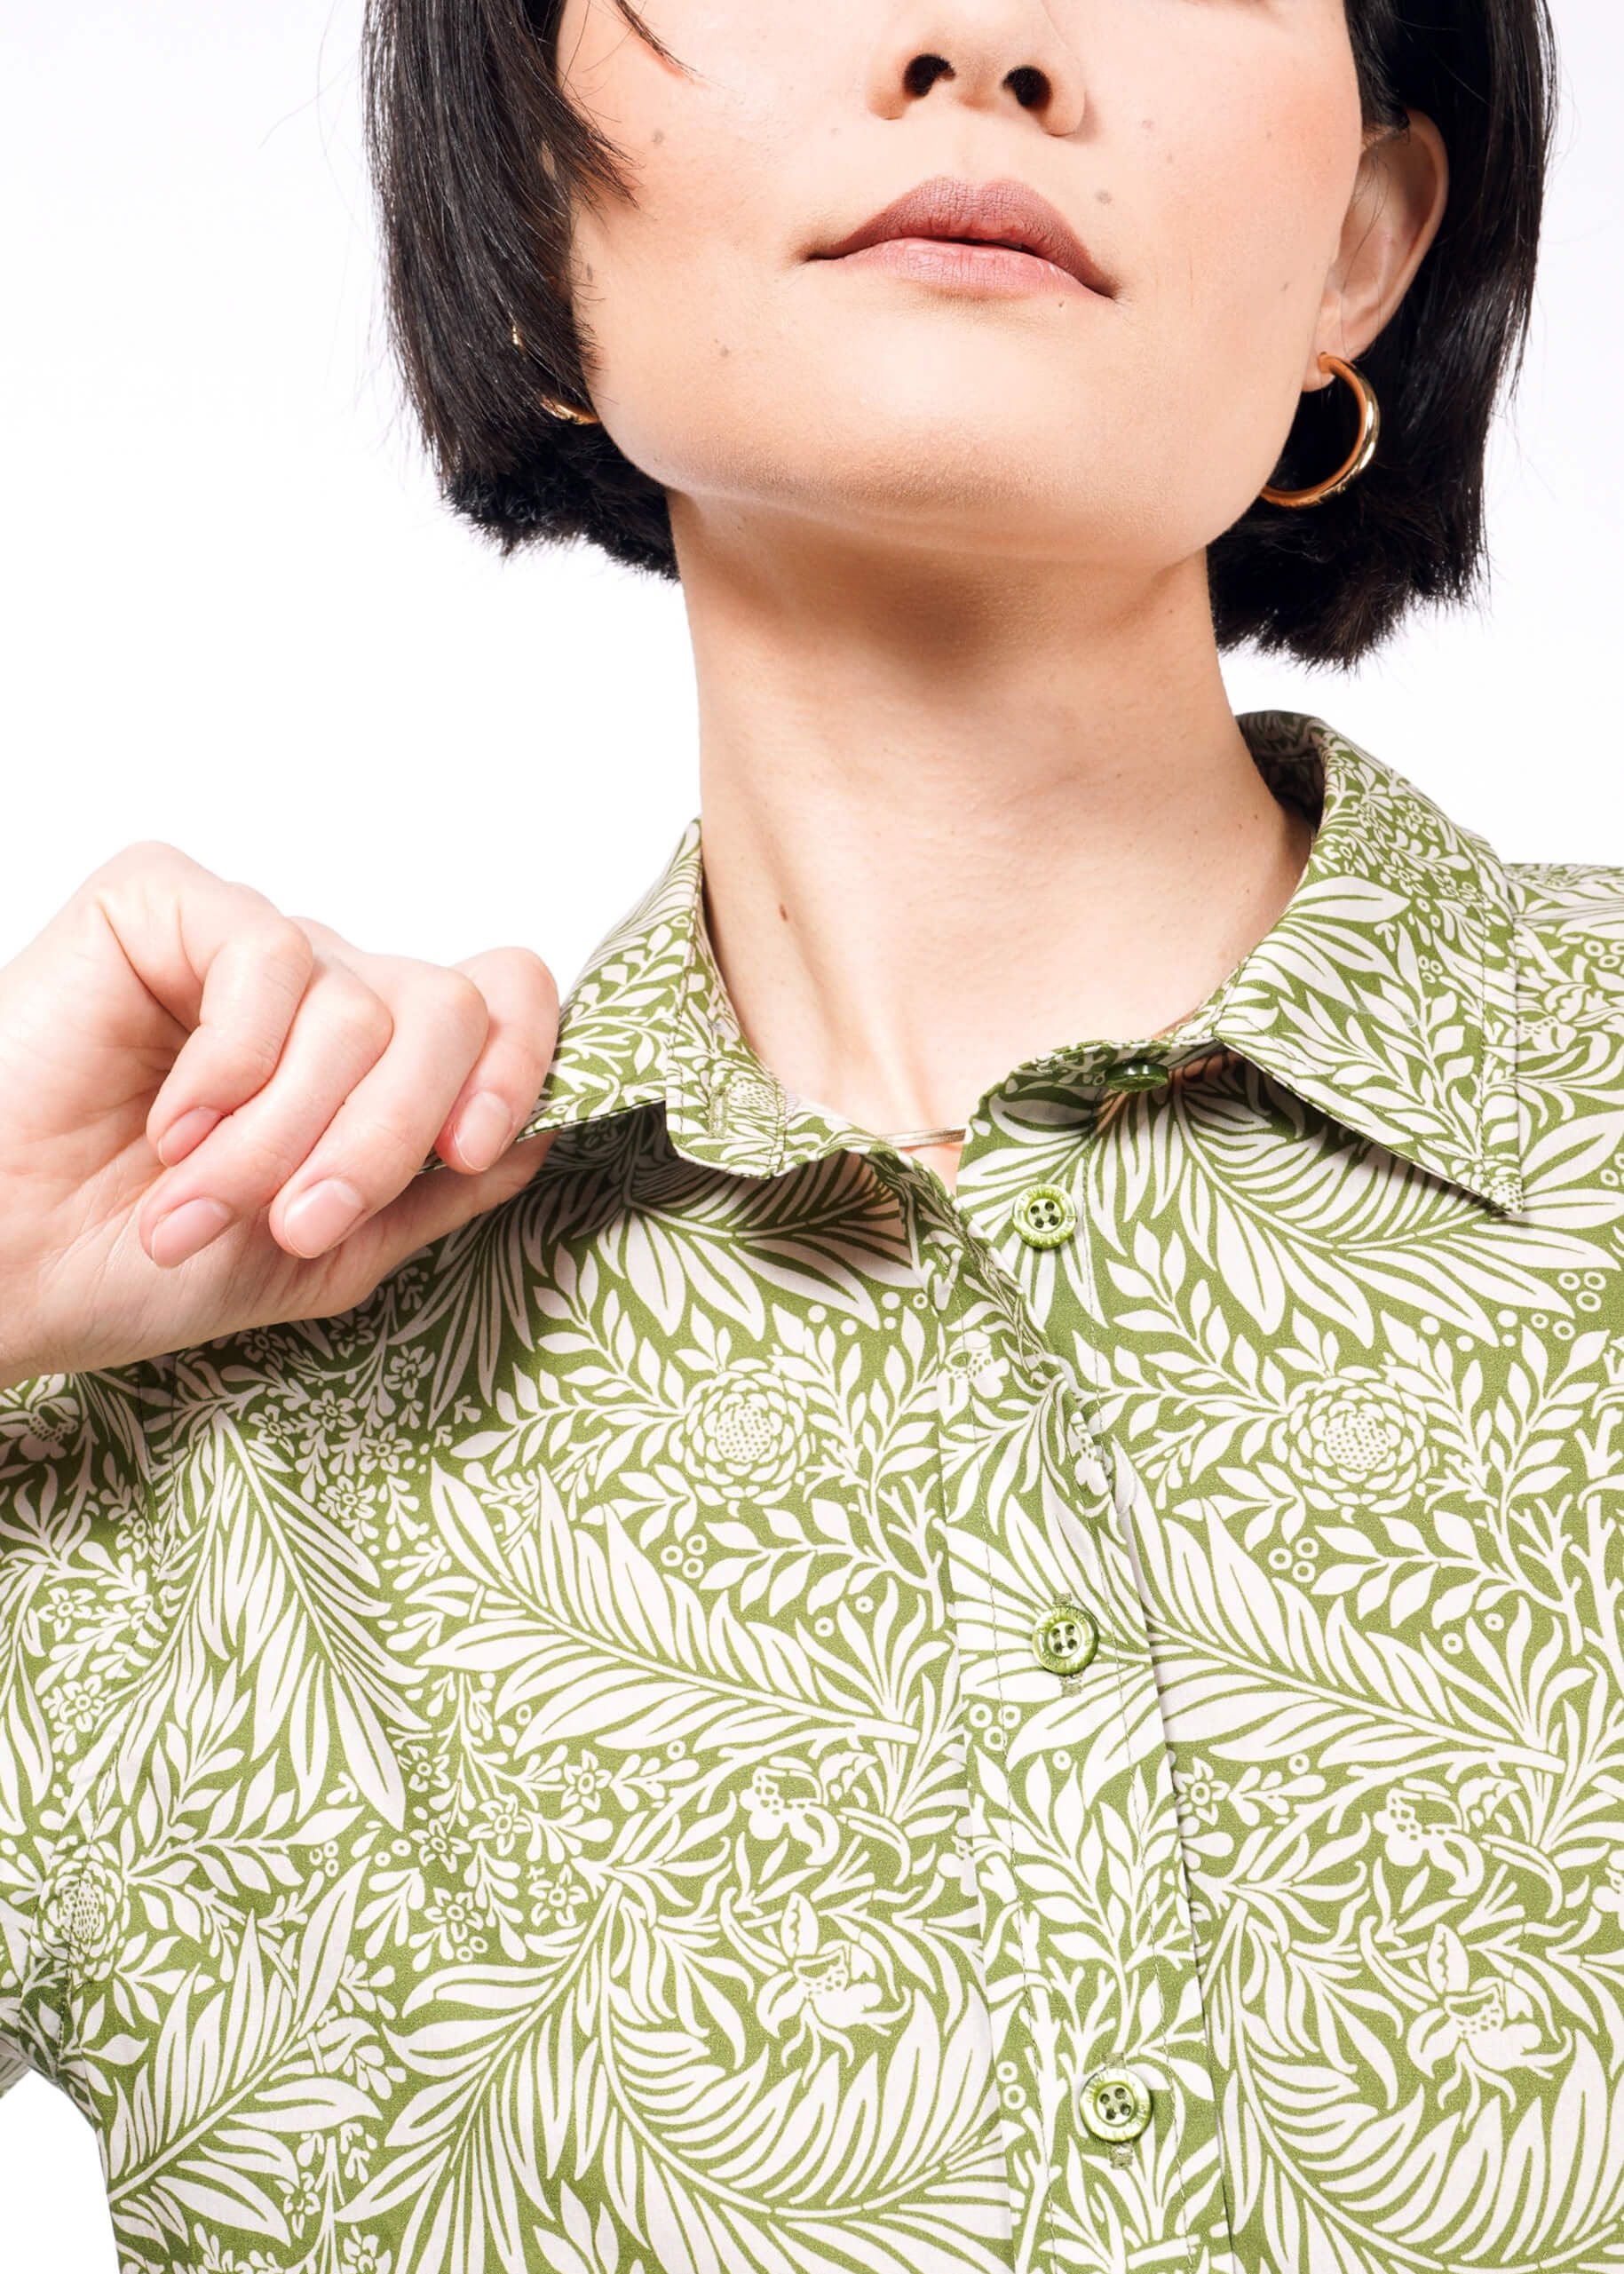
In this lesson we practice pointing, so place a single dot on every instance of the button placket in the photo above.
(1118, 1761)
(1051, 1524)
(972, 1323)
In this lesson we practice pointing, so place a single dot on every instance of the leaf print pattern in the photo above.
(556, 1768)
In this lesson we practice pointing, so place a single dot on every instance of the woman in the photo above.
(980, 1627)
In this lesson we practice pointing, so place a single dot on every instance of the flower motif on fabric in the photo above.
(783, 1797)
(48, 1422)
(1419, 1827)
(1353, 1443)
(746, 1430)
(1253, 1796)
(1479, 2017)
(85, 1904)
(826, 1985)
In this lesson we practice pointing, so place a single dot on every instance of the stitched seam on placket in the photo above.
(1025, 1320)
(1019, 1324)
(1029, 1988)
(1027, 2001)
(1164, 2022)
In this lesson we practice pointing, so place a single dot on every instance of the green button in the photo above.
(1044, 1215)
(1137, 1073)
(1065, 1638)
(1115, 2103)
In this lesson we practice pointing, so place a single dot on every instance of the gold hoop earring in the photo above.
(1362, 452)
(556, 409)
(551, 403)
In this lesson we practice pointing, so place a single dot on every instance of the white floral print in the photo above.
(554, 1769)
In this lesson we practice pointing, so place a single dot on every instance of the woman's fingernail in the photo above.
(483, 1128)
(178, 1139)
(322, 1215)
(186, 1229)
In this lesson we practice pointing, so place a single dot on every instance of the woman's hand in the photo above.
(213, 1114)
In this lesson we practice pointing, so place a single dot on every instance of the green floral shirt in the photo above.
(742, 1715)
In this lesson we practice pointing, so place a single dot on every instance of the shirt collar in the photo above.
(1385, 995)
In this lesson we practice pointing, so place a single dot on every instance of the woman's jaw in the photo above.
(1209, 159)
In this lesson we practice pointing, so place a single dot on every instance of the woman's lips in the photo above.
(998, 236)
(1000, 272)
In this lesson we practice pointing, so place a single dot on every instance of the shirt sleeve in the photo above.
(76, 1527)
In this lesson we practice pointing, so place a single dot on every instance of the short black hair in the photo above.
(477, 158)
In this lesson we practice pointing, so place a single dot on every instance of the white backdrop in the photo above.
(236, 617)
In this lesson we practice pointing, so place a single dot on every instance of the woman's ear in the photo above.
(1393, 216)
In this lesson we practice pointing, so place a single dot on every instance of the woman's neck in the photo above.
(958, 814)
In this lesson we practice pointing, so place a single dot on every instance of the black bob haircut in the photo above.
(477, 157)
